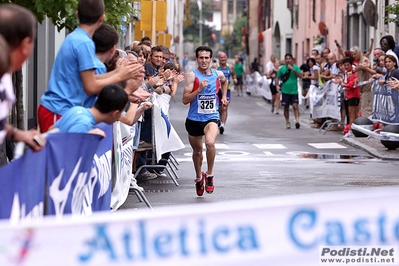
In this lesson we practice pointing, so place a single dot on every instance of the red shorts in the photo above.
(46, 118)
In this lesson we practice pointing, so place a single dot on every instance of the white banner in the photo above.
(283, 231)
(257, 84)
(123, 149)
(166, 139)
(325, 100)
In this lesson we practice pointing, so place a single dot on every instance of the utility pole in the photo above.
(199, 2)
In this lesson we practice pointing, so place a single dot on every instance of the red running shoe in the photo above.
(199, 186)
(209, 185)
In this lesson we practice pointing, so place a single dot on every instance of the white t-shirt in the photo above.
(313, 70)
(334, 70)
(269, 66)
(7, 98)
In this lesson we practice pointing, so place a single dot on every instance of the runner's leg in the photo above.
(196, 145)
(211, 132)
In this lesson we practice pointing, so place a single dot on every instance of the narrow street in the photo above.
(258, 157)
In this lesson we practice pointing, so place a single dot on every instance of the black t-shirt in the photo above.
(150, 70)
(255, 66)
(304, 67)
(395, 74)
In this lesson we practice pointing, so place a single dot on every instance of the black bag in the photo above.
(285, 76)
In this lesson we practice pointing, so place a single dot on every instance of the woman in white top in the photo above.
(313, 75)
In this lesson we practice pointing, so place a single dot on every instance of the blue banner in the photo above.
(70, 158)
(101, 172)
(385, 105)
(22, 184)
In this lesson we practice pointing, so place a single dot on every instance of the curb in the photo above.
(354, 143)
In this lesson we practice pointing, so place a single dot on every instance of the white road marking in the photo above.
(270, 146)
(221, 146)
(327, 145)
(268, 153)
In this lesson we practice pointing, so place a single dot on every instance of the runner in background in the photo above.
(200, 91)
(228, 72)
(239, 71)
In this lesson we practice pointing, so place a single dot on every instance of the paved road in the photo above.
(258, 157)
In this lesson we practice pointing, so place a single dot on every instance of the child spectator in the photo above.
(108, 108)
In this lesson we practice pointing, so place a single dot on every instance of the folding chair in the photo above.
(153, 161)
(329, 123)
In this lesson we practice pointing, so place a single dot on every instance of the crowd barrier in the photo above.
(258, 85)
(76, 173)
(325, 100)
(385, 105)
(282, 231)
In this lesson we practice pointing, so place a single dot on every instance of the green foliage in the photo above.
(63, 12)
(392, 10)
(191, 32)
(233, 40)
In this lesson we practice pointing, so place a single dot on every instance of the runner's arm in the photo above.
(224, 82)
(189, 94)
(233, 74)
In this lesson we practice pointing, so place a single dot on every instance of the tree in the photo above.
(233, 40)
(192, 31)
(392, 9)
(62, 13)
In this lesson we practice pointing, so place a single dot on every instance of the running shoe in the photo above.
(199, 186)
(288, 125)
(273, 109)
(297, 125)
(209, 185)
(221, 130)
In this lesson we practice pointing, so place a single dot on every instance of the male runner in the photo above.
(201, 91)
(228, 71)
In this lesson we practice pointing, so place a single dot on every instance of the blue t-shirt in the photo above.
(77, 119)
(205, 106)
(65, 87)
(100, 69)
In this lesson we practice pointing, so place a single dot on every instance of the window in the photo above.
(314, 10)
(290, 4)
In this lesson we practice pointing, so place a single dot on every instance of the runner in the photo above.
(201, 92)
(239, 71)
(228, 71)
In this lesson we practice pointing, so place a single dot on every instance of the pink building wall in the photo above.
(331, 12)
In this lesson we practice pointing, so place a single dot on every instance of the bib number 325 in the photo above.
(206, 104)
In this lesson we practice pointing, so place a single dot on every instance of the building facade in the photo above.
(298, 26)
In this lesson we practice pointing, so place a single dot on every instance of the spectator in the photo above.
(289, 73)
(73, 79)
(352, 92)
(364, 73)
(255, 66)
(108, 108)
(18, 28)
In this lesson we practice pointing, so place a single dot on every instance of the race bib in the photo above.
(206, 104)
